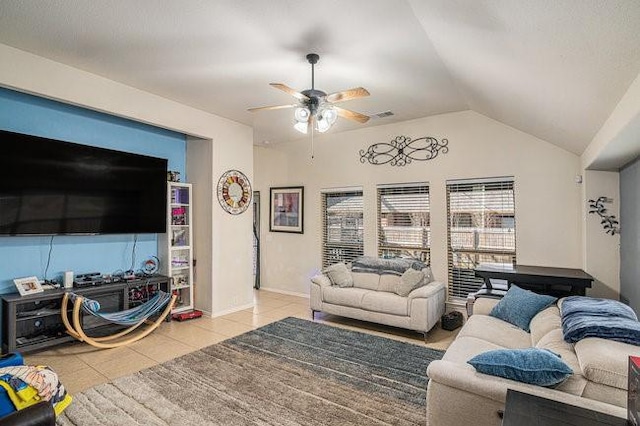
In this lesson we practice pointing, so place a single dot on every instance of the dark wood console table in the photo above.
(33, 322)
(523, 409)
(541, 279)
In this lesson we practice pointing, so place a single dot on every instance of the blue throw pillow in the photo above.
(519, 306)
(533, 365)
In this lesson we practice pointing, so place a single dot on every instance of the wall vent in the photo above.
(381, 114)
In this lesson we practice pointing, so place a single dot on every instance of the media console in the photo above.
(33, 322)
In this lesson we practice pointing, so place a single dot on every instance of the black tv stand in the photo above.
(33, 322)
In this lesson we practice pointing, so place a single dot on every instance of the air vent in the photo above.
(382, 114)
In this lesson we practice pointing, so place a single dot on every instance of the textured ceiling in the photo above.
(552, 68)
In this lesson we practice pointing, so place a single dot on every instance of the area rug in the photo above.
(292, 372)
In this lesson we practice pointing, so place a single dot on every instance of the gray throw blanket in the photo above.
(380, 266)
(584, 317)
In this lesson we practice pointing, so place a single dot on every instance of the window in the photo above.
(342, 226)
(403, 221)
(481, 229)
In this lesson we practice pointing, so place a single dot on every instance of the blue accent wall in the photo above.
(27, 256)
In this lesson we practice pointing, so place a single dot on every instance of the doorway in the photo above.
(256, 239)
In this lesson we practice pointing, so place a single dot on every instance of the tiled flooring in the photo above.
(81, 366)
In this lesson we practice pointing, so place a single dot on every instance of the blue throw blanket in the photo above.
(584, 317)
(380, 266)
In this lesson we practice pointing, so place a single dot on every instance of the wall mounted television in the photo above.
(52, 187)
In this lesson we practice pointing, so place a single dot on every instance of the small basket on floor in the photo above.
(451, 320)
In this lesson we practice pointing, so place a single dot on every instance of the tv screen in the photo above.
(50, 187)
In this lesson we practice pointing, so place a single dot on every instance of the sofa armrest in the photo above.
(318, 283)
(466, 379)
(322, 280)
(426, 291)
(484, 305)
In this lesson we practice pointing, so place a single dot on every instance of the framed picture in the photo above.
(286, 209)
(29, 285)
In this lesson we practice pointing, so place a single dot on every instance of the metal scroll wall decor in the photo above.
(608, 221)
(403, 150)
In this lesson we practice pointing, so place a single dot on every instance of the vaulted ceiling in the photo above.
(553, 68)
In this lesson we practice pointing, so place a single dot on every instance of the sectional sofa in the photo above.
(457, 394)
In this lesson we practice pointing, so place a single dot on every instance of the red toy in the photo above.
(183, 316)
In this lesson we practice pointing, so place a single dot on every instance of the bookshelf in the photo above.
(176, 246)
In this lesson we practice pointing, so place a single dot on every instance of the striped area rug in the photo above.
(292, 372)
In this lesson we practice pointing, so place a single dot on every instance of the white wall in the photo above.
(224, 268)
(548, 201)
(616, 143)
(601, 250)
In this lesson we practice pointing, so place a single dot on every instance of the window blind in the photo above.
(404, 221)
(481, 229)
(342, 227)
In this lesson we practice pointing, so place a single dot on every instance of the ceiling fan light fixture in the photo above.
(301, 127)
(302, 115)
(322, 125)
(330, 114)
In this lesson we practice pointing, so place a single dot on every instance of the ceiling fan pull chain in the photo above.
(312, 132)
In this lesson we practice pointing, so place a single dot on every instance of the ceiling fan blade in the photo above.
(272, 107)
(352, 115)
(299, 96)
(345, 95)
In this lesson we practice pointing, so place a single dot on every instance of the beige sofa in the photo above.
(372, 299)
(458, 395)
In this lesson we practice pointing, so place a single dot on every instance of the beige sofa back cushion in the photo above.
(605, 361)
(388, 283)
(366, 280)
(543, 322)
(554, 341)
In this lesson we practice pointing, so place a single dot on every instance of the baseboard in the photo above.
(290, 293)
(232, 310)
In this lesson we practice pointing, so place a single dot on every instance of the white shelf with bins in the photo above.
(176, 245)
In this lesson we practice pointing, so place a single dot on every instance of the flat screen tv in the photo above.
(51, 187)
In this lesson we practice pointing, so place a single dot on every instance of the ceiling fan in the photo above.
(316, 109)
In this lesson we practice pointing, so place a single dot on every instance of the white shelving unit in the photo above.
(176, 246)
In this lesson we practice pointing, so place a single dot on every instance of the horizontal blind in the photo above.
(481, 229)
(404, 221)
(342, 227)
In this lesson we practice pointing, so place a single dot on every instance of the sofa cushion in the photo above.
(339, 275)
(545, 321)
(554, 341)
(532, 365)
(410, 280)
(389, 303)
(388, 283)
(366, 280)
(463, 348)
(496, 331)
(605, 361)
(346, 296)
(519, 306)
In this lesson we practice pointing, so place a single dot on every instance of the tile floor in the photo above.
(81, 366)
